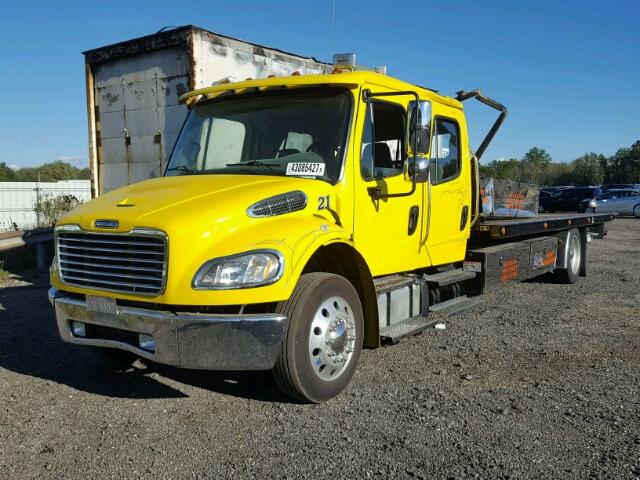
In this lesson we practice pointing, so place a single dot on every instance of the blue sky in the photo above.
(569, 72)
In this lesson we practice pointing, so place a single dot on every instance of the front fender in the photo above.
(297, 237)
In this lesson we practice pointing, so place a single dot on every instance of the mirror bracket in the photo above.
(375, 192)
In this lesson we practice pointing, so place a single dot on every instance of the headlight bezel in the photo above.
(210, 264)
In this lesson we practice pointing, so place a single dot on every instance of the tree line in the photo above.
(49, 172)
(538, 167)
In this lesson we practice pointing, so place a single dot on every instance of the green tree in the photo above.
(27, 174)
(624, 166)
(57, 171)
(502, 169)
(6, 173)
(587, 169)
(535, 166)
(51, 172)
(508, 170)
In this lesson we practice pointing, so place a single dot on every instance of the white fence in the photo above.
(18, 199)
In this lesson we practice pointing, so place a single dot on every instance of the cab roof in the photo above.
(349, 79)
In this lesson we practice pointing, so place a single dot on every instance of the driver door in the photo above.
(387, 231)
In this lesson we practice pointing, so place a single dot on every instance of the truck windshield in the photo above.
(296, 132)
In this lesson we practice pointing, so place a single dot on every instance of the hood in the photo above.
(167, 202)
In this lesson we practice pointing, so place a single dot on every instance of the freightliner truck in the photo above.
(299, 219)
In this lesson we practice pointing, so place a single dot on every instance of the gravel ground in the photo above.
(541, 382)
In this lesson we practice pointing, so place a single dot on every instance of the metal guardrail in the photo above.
(19, 238)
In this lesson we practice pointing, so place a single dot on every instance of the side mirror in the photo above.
(418, 167)
(419, 128)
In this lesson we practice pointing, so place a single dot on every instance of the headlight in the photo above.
(593, 203)
(251, 269)
(54, 265)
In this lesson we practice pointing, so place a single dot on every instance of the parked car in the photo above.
(621, 186)
(623, 201)
(568, 199)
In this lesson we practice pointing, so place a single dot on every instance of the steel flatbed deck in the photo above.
(499, 228)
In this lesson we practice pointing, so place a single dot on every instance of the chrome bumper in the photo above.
(212, 342)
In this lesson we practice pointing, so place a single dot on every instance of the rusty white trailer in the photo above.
(133, 89)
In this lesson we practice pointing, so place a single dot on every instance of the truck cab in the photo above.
(294, 225)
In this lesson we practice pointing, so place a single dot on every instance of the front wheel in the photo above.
(589, 210)
(636, 211)
(323, 341)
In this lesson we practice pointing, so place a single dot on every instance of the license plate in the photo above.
(101, 304)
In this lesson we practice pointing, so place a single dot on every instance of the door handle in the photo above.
(413, 219)
(463, 217)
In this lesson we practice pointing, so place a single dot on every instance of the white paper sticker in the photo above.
(306, 169)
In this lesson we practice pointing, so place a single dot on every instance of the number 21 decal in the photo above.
(324, 202)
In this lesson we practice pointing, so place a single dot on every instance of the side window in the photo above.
(382, 141)
(445, 151)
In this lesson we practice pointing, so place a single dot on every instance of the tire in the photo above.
(589, 210)
(574, 260)
(636, 211)
(323, 341)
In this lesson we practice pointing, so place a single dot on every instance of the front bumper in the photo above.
(188, 340)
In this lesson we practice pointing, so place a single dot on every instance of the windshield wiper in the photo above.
(181, 169)
(252, 163)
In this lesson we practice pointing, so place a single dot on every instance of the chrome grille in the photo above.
(129, 263)
(278, 205)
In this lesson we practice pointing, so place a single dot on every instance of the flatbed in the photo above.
(503, 228)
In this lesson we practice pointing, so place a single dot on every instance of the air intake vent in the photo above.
(278, 205)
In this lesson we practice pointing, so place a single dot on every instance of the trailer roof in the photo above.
(349, 79)
(174, 37)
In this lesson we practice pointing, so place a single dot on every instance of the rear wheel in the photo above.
(323, 341)
(574, 259)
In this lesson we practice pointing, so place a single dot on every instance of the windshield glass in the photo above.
(295, 132)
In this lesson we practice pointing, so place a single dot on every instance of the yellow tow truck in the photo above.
(299, 220)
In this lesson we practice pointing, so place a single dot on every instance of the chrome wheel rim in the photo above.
(332, 338)
(574, 253)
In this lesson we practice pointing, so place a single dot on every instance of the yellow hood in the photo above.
(166, 203)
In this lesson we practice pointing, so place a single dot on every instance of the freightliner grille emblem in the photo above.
(106, 223)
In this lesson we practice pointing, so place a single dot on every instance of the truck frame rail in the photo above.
(492, 229)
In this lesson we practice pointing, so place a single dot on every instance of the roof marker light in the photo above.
(344, 60)
(347, 61)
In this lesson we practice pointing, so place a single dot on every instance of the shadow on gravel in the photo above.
(544, 278)
(30, 345)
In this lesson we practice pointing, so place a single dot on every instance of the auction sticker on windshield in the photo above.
(305, 169)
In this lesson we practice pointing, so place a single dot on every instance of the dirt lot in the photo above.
(542, 381)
